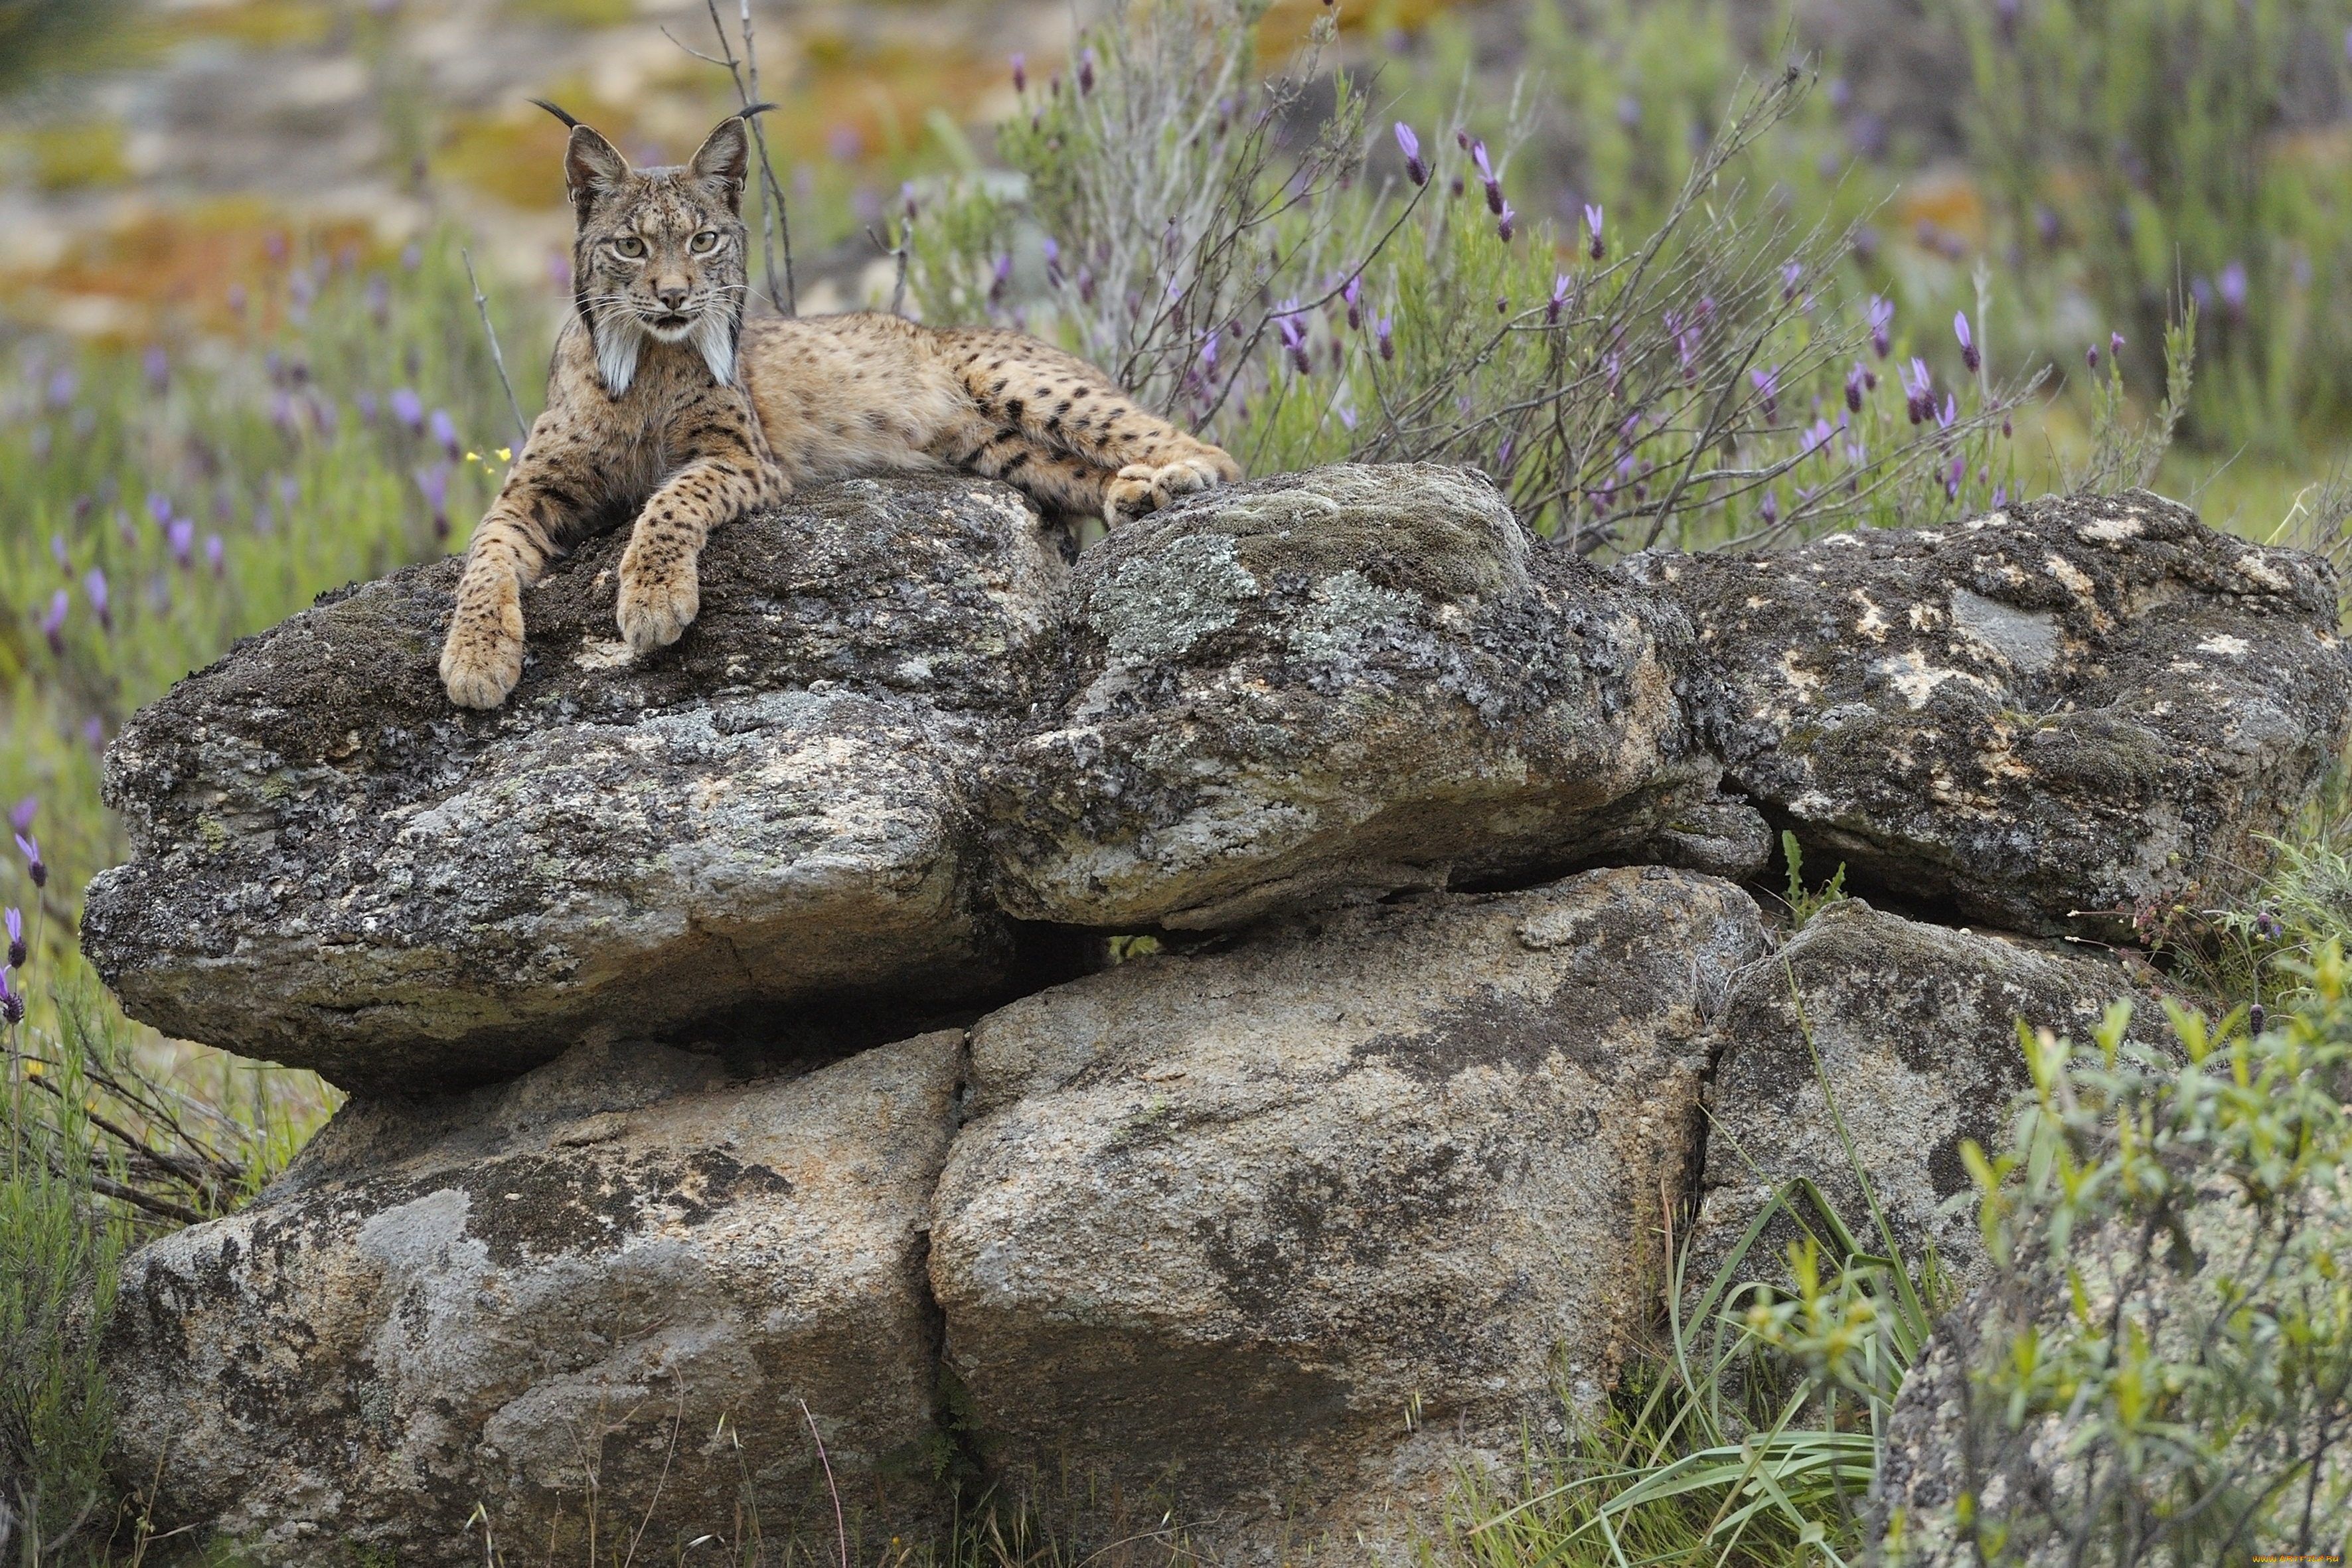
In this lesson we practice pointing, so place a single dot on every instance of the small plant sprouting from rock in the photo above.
(1804, 904)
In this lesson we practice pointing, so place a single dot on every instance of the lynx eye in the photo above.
(630, 245)
(705, 242)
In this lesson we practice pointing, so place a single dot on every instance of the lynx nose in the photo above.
(672, 297)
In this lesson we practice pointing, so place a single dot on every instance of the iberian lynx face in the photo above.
(659, 252)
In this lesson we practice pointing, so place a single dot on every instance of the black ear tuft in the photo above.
(559, 114)
(749, 110)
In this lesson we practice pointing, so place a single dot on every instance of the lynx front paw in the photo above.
(1141, 487)
(657, 603)
(483, 657)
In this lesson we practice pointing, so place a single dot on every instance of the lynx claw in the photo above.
(655, 609)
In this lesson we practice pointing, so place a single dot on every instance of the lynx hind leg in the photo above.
(1020, 385)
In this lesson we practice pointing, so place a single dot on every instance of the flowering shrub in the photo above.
(1375, 295)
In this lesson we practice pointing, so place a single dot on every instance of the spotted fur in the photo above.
(665, 404)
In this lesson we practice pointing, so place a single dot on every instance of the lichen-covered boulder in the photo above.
(1905, 1033)
(337, 870)
(1242, 1223)
(2044, 718)
(496, 1298)
(1356, 679)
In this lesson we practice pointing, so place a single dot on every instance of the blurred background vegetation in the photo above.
(240, 362)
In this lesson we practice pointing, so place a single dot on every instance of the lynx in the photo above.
(665, 403)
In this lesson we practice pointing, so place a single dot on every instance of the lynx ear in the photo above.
(592, 166)
(726, 153)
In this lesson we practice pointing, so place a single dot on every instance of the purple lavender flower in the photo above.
(2202, 292)
(1086, 70)
(93, 587)
(1592, 225)
(434, 482)
(156, 365)
(409, 410)
(35, 866)
(1918, 390)
(2232, 283)
(1952, 479)
(58, 552)
(182, 536)
(1504, 219)
(12, 1006)
(1553, 306)
(1816, 439)
(2000, 497)
(1969, 354)
(1770, 509)
(2091, 356)
(367, 404)
(15, 918)
(1209, 350)
(2045, 224)
(1947, 414)
(1854, 387)
(21, 814)
(1020, 72)
(2116, 344)
(1353, 294)
(1494, 203)
(1000, 275)
(53, 625)
(1387, 344)
(1410, 144)
(445, 432)
(159, 507)
(1791, 276)
(1293, 327)
(93, 731)
(216, 554)
(1768, 386)
(61, 388)
(1881, 315)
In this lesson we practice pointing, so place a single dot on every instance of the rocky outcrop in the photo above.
(1284, 1226)
(336, 869)
(1350, 680)
(1247, 1218)
(545, 1298)
(1900, 1038)
(2045, 718)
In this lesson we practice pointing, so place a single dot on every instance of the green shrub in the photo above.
(2168, 1352)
